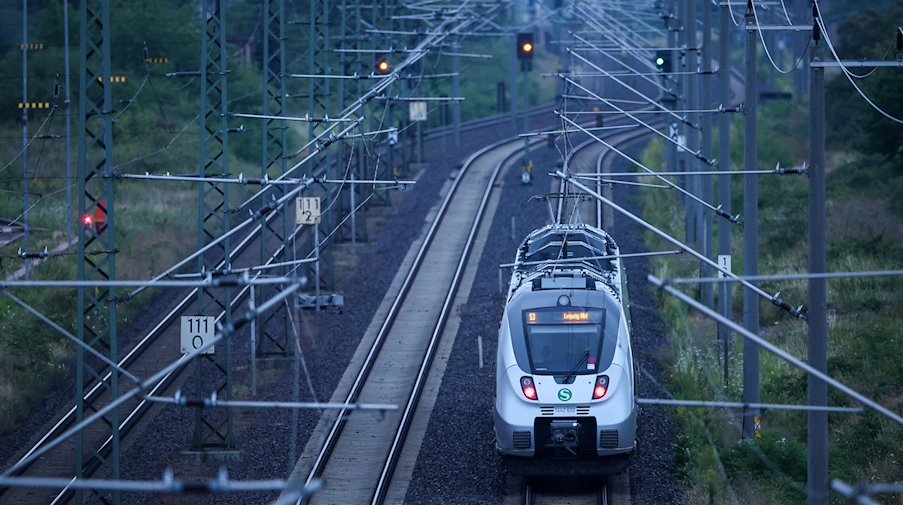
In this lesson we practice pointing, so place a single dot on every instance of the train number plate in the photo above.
(565, 411)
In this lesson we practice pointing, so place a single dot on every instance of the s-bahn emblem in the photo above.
(565, 394)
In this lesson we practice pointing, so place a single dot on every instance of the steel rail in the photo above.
(151, 336)
(382, 486)
(138, 412)
(360, 380)
(530, 496)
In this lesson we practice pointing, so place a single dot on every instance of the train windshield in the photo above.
(564, 340)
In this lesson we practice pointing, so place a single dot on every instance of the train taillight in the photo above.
(529, 389)
(601, 387)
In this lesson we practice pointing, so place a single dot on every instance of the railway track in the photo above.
(157, 348)
(397, 360)
(592, 157)
(150, 352)
(568, 493)
(357, 456)
(612, 490)
(589, 157)
(142, 362)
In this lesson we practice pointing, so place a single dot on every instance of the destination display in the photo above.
(568, 315)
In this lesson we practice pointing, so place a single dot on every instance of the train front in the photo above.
(564, 372)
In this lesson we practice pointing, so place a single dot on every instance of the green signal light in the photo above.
(659, 61)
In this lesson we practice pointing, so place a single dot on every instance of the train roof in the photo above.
(559, 251)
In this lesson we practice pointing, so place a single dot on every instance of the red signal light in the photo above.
(88, 220)
(526, 384)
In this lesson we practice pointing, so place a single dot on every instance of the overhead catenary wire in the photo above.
(168, 484)
(347, 113)
(645, 98)
(709, 438)
(34, 137)
(774, 299)
(846, 72)
(777, 351)
(649, 171)
(765, 45)
(790, 277)
(137, 391)
(31, 310)
(695, 154)
(212, 401)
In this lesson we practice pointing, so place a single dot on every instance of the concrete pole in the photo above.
(456, 105)
(707, 189)
(694, 211)
(818, 246)
(25, 202)
(68, 105)
(672, 126)
(724, 181)
(683, 104)
(512, 83)
(751, 386)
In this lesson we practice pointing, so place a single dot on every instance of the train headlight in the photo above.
(529, 389)
(601, 387)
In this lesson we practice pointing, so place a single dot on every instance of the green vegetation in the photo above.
(155, 131)
(864, 181)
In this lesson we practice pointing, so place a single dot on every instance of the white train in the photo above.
(565, 374)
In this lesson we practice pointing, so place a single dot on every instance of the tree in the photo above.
(852, 121)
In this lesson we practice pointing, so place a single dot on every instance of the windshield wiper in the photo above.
(573, 371)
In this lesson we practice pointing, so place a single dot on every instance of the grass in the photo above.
(864, 338)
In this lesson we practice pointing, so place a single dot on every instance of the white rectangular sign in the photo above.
(417, 111)
(197, 331)
(724, 261)
(307, 210)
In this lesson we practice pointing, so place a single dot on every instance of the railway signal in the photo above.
(97, 219)
(383, 67)
(525, 50)
(663, 60)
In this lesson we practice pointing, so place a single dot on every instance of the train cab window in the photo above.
(564, 340)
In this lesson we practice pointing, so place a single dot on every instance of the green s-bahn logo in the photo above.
(565, 394)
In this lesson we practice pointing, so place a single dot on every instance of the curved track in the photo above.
(357, 457)
(152, 352)
(149, 353)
